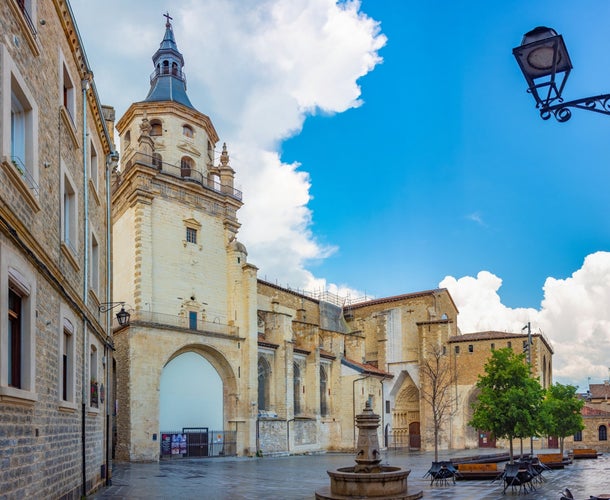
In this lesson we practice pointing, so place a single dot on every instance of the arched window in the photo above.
(165, 68)
(155, 128)
(174, 68)
(264, 383)
(323, 392)
(187, 130)
(127, 138)
(186, 164)
(157, 160)
(578, 436)
(297, 389)
(603, 433)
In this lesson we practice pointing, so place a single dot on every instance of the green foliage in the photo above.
(560, 413)
(510, 399)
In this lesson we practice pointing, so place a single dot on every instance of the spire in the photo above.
(168, 81)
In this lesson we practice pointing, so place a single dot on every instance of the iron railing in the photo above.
(189, 443)
(181, 322)
(184, 172)
(26, 174)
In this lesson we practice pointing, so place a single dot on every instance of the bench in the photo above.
(553, 460)
(585, 453)
(478, 471)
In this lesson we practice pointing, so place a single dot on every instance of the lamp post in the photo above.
(545, 63)
(122, 316)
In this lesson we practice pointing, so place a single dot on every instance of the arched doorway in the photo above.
(191, 397)
(405, 418)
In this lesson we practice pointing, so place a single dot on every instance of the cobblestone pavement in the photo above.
(298, 477)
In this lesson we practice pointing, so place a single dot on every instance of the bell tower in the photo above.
(177, 261)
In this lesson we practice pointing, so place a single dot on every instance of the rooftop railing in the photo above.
(184, 172)
(180, 322)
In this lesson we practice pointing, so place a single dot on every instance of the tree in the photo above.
(510, 399)
(560, 413)
(438, 379)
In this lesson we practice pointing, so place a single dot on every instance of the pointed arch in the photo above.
(264, 383)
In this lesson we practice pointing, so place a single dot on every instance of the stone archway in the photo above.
(405, 417)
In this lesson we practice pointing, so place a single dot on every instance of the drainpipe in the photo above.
(84, 88)
(111, 162)
(354, 405)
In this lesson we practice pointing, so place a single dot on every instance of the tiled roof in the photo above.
(489, 335)
(599, 391)
(366, 368)
(397, 298)
(588, 411)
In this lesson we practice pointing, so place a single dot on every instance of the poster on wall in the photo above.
(166, 444)
(182, 444)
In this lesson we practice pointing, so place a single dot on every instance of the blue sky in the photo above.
(387, 147)
(446, 169)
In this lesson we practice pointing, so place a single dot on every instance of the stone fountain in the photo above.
(368, 478)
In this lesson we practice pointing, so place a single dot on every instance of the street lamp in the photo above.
(122, 316)
(545, 63)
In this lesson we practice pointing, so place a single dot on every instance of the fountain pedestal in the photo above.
(368, 479)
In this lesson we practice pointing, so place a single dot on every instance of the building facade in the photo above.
(217, 361)
(55, 352)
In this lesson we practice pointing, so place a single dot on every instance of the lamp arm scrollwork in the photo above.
(562, 112)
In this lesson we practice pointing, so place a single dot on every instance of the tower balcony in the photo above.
(187, 174)
(181, 323)
(167, 71)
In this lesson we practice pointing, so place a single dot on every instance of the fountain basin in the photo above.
(385, 482)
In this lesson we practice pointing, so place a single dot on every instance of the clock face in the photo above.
(542, 58)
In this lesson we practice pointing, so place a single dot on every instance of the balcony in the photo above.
(181, 172)
(182, 323)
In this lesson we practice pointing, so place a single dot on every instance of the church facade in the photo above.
(218, 361)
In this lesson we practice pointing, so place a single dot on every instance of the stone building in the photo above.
(469, 353)
(596, 419)
(55, 352)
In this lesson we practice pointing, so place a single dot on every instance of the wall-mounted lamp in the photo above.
(122, 316)
(545, 63)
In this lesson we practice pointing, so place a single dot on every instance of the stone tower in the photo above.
(177, 262)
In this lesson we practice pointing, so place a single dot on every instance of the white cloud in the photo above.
(258, 69)
(574, 316)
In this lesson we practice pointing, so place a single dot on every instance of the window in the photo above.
(127, 138)
(323, 392)
(19, 141)
(191, 235)
(264, 383)
(67, 361)
(296, 389)
(193, 320)
(68, 92)
(17, 358)
(157, 160)
(94, 265)
(94, 394)
(186, 164)
(578, 436)
(470, 348)
(509, 344)
(93, 165)
(210, 152)
(14, 338)
(155, 128)
(68, 213)
(493, 346)
(603, 433)
(187, 130)
(457, 349)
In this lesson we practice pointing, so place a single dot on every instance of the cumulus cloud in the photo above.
(574, 315)
(258, 69)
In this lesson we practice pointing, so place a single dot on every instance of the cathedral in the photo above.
(216, 361)
(135, 328)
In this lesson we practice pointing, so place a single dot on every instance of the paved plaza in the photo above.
(298, 477)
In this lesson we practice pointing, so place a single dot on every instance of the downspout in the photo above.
(354, 405)
(84, 88)
(111, 162)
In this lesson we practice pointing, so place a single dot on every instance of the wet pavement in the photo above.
(298, 477)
